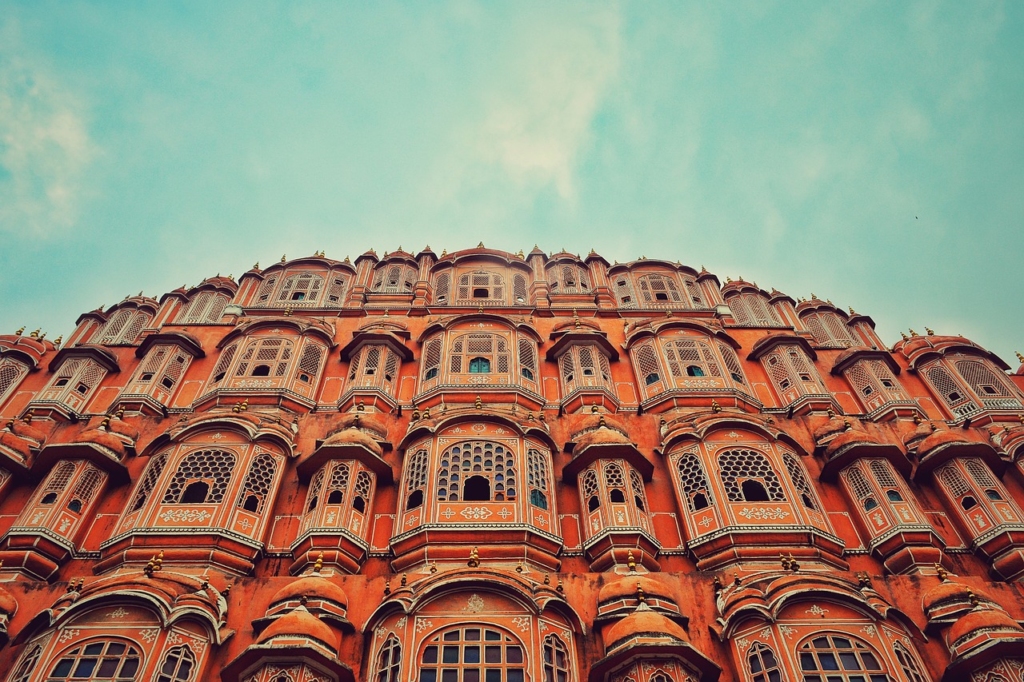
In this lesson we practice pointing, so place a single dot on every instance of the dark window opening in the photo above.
(989, 390)
(639, 502)
(75, 506)
(954, 397)
(299, 295)
(968, 503)
(868, 390)
(805, 377)
(652, 378)
(431, 373)
(527, 374)
(784, 383)
(61, 382)
(736, 377)
(695, 371)
(336, 497)
(313, 503)
(700, 501)
(195, 493)
(808, 502)
(754, 491)
(661, 296)
(479, 366)
(261, 371)
(888, 384)
(220, 375)
(593, 503)
(994, 495)
(49, 498)
(167, 382)
(82, 388)
(870, 503)
(893, 496)
(538, 499)
(587, 372)
(146, 376)
(252, 503)
(415, 500)
(481, 293)
(616, 496)
(476, 489)
(359, 504)
(303, 377)
(627, 299)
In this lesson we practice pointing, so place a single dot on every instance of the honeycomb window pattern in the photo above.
(740, 466)
(210, 467)
(258, 483)
(148, 483)
(693, 482)
(796, 474)
(475, 460)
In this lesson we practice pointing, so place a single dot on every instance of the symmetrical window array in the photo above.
(11, 374)
(567, 279)
(339, 496)
(752, 310)
(829, 329)
(159, 373)
(394, 279)
(73, 384)
(480, 358)
(480, 288)
(302, 290)
(792, 373)
(875, 384)
(584, 366)
(374, 367)
(749, 477)
(657, 290)
(201, 478)
(64, 498)
(268, 362)
(123, 327)
(477, 471)
(978, 498)
(473, 654)
(685, 362)
(612, 493)
(205, 308)
(835, 658)
(968, 385)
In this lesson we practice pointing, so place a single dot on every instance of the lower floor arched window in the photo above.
(837, 658)
(102, 660)
(762, 664)
(389, 660)
(556, 660)
(472, 654)
(177, 665)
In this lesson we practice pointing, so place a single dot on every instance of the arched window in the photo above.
(796, 475)
(123, 327)
(589, 489)
(160, 372)
(442, 287)
(74, 383)
(258, 484)
(28, 664)
(148, 482)
(481, 287)
(690, 358)
(636, 484)
(648, 368)
(860, 487)
(337, 487)
(875, 384)
(265, 290)
(470, 465)
(829, 330)
(205, 308)
(309, 363)
(614, 482)
(480, 354)
(313, 495)
(519, 291)
(201, 478)
(659, 291)
(56, 482)
(694, 292)
(97, 660)
(394, 279)
(582, 367)
(955, 397)
(793, 374)
(457, 655)
(840, 658)
(747, 472)
(335, 292)
(556, 660)
(220, 370)
(374, 366)
(303, 287)
(732, 363)
(11, 374)
(985, 383)
(362, 492)
(694, 483)
(537, 477)
(431, 359)
(415, 479)
(624, 291)
(752, 310)
(265, 357)
(177, 665)
(528, 359)
(389, 661)
(908, 662)
(762, 664)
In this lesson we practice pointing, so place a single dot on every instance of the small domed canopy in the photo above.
(978, 639)
(944, 603)
(301, 624)
(352, 442)
(643, 623)
(944, 445)
(8, 607)
(311, 587)
(601, 440)
(622, 596)
(848, 446)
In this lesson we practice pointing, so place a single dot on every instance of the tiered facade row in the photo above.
(495, 467)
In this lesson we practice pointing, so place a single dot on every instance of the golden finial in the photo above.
(847, 425)
(640, 596)
(736, 579)
(415, 415)
(793, 565)
(426, 413)
(594, 409)
(57, 341)
(547, 578)
(631, 561)
(433, 564)
(283, 258)
(912, 332)
(21, 330)
(830, 412)
(42, 336)
(35, 334)
(1020, 358)
(28, 417)
(444, 252)
(474, 559)
(941, 572)
(288, 311)
(559, 586)
(346, 260)
(149, 567)
(519, 566)
(716, 581)
(477, 403)
(784, 560)
(715, 407)
(237, 408)
(521, 254)
(814, 296)
(575, 319)
(863, 580)
(973, 598)
(405, 579)
(904, 336)
(105, 423)
(387, 587)
(319, 563)
(929, 331)
(480, 245)
(256, 266)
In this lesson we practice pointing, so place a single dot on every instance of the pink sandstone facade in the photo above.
(493, 467)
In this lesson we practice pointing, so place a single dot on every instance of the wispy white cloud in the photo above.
(45, 148)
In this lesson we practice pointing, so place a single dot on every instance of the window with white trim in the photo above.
(976, 495)
(660, 291)
(202, 477)
(584, 366)
(258, 484)
(159, 372)
(694, 482)
(374, 366)
(177, 665)
(528, 359)
(567, 279)
(556, 661)
(11, 374)
(749, 477)
(752, 310)
(442, 288)
(148, 482)
(762, 664)
(799, 480)
(623, 288)
(829, 329)
(520, 293)
(840, 658)
(481, 287)
(431, 363)
(537, 477)
(989, 384)
(74, 383)
(477, 471)
(956, 397)
(206, 307)
(792, 373)
(416, 480)
(394, 279)
(389, 660)
(123, 327)
(300, 288)
(106, 659)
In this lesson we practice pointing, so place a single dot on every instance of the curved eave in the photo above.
(580, 337)
(97, 315)
(818, 306)
(940, 454)
(104, 357)
(102, 457)
(919, 357)
(301, 328)
(981, 657)
(769, 342)
(186, 342)
(423, 429)
(22, 355)
(656, 328)
(591, 453)
(389, 339)
(311, 463)
(483, 254)
(851, 452)
(657, 262)
(258, 655)
(316, 261)
(709, 670)
(853, 355)
(742, 287)
(448, 322)
(247, 429)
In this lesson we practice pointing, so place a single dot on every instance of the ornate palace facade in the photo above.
(494, 467)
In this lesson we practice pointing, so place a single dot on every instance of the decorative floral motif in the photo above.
(423, 624)
(149, 635)
(475, 604)
(764, 513)
(117, 613)
(476, 513)
(816, 610)
(185, 515)
(522, 622)
(67, 634)
(869, 630)
(786, 630)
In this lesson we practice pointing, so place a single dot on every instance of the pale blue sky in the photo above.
(872, 153)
